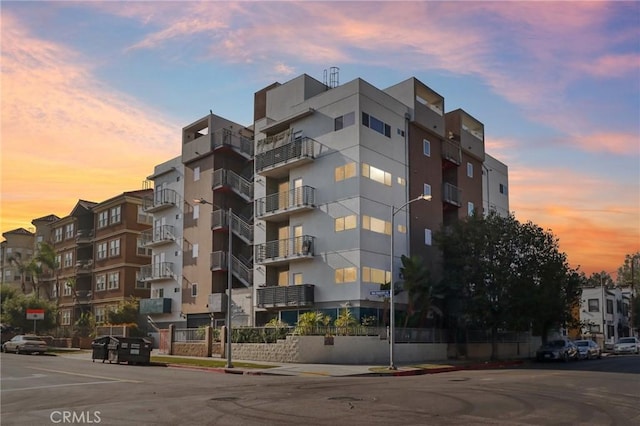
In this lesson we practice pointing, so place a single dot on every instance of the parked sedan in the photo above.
(588, 349)
(627, 345)
(24, 343)
(557, 350)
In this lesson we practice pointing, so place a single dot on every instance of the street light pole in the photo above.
(229, 277)
(392, 320)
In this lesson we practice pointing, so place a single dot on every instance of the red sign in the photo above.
(35, 311)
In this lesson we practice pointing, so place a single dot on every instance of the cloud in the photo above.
(66, 135)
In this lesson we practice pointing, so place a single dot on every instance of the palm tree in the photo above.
(421, 291)
(24, 269)
(46, 256)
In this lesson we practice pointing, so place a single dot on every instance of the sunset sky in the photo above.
(95, 94)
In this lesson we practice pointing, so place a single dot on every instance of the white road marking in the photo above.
(86, 375)
(60, 386)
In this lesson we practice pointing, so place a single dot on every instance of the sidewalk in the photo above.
(328, 370)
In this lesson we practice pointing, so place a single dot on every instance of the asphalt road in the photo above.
(46, 390)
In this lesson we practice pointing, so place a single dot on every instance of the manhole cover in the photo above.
(225, 398)
(344, 398)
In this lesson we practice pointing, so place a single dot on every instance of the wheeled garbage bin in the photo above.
(132, 350)
(100, 351)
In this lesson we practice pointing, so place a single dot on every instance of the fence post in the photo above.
(223, 339)
(170, 338)
(208, 339)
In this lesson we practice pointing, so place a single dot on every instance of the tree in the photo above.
(502, 274)
(422, 292)
(345, 321)
(47, 263)
(14, 310)
(125, 313)
(24, 269)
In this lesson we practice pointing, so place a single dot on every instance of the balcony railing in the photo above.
(84, 266)
(239, 269)
(161, 199)
(227, 138)
(160, 305)
(451, 194)
(237, 183)
(158, 236)
(285, 296)
(284, 157)
(282, 204)
(286, 250)
(451, 152)
(157, 271)
(243, 229)
(84, 236)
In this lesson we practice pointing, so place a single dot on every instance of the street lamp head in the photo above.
(200, 201)
(426, 197)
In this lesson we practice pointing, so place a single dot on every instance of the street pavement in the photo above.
(328, 370)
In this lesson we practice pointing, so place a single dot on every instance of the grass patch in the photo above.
(205, 362)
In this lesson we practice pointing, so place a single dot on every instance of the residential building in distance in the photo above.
(44, 235)
(17, 250)
(495, 186)
(605, 314)
(164, 242)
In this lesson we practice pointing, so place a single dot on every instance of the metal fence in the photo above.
(185, 335)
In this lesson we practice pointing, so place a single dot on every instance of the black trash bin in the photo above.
(100, 350)
(132, 350)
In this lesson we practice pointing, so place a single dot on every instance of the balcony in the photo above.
(451, 152)
(223, 178)
(278, 161)
(285, 251)
(451, 194)
(157, 272)
(158, 236)
(219, 262)
(84, 236)
(226, 138)
(281, 205)
(84, 266)
(160, 305)
(83, 297)
(161, 199)
(285, 296)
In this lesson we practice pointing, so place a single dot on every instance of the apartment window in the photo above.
(611, 331)
(114, 248)
(116, 214)
(594, 328)
(283, 278)
(65, 317)
(68, 289)
(470, 170)
(158, 293)
(54, 291)
(401, 181)
(609, 306)
(103, 219)
(196, 211)
(373, 275)
(101, 282)
(400, 132)
(57, 235)
(343, 121)
(345, 275)
(68, 231)
(376, 225)
(376, 174)
(101, 251)
(196, 174)
(503, 189)
(144, 217)
(59, 260)
(68, 259)
(141, 250)
(402, 229)
(427, 237)
(194, 289)
(140, 283)
(345, 222)
(99, 314)
(470, 209)
(194, 250)
(375, 124)
(297, 278)
(426, 189)
(114, 280)
(426, 147)
(345, 172)
(594, 305)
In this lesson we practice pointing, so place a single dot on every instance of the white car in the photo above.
(25, 344)
(627, 345)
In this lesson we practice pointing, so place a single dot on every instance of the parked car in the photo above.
(25, 343)
(627, 345)
(588, 349)
(557, 350)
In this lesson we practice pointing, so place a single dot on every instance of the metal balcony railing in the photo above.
(451, 152)
(158, 235)
(284, 296)
(243, 229)
(84, 236)
(451, 194)
(157, 271)
(161, 199)
(291, 152)
(239, 269)
(227, 138)
(301, 198)
(285, 250)
(237, 183)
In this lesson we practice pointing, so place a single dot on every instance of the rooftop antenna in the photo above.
(334, 77)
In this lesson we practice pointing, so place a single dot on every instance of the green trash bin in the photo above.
(132, 350)
(100, 348)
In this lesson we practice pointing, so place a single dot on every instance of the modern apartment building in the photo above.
(495, 186)
(217, 221)
(605, 313)
(164, 242)
(331, 164)
(17, 250)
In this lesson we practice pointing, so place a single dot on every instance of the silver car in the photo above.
(627, 345)
(588, 349)
(24, 343)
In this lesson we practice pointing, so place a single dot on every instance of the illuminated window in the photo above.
(376, 174)
(345, 222)
(345, 275)
(373, 275)
(297, 278)
(345, 172)
(376, 225)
